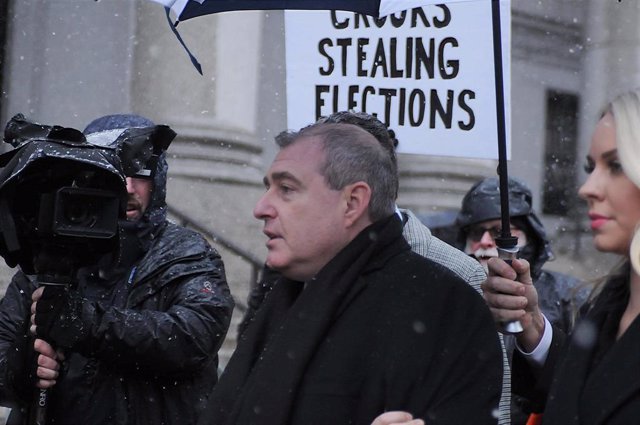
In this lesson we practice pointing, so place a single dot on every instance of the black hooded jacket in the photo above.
(148, 330)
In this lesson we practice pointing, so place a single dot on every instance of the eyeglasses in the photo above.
(476, 232)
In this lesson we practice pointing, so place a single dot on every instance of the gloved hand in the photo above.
(47, 303)
(60, 316)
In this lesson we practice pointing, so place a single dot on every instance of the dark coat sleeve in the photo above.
(16, 353)
(174, 324)
(180, 339)
(444, 358)
(533, 382)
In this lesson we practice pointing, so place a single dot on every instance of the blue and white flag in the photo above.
(187, 9)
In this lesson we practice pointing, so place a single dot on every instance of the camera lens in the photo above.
(85, 212)
(79, 214)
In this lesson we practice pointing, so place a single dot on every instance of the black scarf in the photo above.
(259, 386)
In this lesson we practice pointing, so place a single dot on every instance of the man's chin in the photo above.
(281, 265)
(274, 264)
(133, 215)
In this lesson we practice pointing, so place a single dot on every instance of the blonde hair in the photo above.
(625, 110)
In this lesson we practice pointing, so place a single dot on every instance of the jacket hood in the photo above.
(482, 203)
(123, 129)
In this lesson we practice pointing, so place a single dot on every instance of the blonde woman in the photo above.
(591, 376)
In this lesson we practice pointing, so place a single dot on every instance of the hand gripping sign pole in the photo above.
(507, 243)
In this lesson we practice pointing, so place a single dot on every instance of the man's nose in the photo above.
(263, 208)
(130, 188)
(487, 241)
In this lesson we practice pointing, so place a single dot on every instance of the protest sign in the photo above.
(428, 73)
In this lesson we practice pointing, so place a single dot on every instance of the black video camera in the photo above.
(62, 194)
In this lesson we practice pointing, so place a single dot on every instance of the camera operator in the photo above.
(135, 343)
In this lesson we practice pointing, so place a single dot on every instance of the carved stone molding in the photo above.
(429, 184)
(214, 159)
(546, 40)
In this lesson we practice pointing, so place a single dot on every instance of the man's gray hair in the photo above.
(352, 155)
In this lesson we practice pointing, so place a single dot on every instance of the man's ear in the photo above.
(357, 196)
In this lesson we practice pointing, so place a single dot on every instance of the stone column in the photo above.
(66, 60)
(611, 63)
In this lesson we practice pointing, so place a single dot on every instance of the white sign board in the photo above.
(428, 73)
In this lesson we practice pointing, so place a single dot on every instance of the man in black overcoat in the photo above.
(358, 324)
